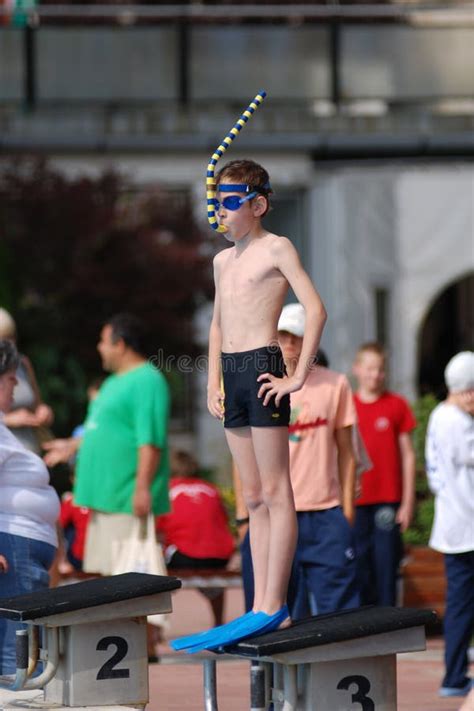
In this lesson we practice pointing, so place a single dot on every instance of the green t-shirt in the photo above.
(130, 411)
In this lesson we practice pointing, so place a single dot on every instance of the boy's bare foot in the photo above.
(286, 623)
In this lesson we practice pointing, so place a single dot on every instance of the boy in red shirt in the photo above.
(385, 507)
(73, 520)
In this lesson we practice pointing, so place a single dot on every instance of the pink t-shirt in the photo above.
(323, 405)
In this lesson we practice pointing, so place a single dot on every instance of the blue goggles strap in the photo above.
(243, 188)
(247, 197)
(234, 188)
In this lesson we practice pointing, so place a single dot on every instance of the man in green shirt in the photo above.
(122, 466)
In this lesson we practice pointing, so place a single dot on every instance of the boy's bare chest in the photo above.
(248, 278)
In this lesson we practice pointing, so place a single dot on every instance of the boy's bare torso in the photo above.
(251, 292)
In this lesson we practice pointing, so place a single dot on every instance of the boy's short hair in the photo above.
(246, 172)
(371, 347)
(183, 463)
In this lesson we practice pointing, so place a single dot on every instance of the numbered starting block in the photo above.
(91, 638)
(331, 662)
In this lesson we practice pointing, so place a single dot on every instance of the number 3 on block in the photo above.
(363, 688)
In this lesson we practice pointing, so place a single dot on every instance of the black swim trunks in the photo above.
(241, 405)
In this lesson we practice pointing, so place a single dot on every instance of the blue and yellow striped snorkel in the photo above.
(210, 179)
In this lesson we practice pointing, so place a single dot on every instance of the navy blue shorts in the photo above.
(241, 405)
(324, 575)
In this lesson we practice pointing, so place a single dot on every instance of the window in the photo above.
(381, 306)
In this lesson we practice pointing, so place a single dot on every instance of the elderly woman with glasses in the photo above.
(29, 508)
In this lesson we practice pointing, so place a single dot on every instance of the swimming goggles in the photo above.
(233, 202)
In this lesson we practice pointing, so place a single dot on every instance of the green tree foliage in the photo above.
(74, 251)
(420, 529)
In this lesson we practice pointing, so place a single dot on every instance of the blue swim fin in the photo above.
(200, 637)
(258, 623)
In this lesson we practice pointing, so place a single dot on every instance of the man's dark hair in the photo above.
(9, 358)
(128, 328)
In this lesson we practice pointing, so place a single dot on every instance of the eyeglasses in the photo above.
(233, 202)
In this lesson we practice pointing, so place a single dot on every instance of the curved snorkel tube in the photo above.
(210, 179)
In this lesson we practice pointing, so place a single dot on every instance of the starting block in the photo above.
(93, 648)
(329, 662)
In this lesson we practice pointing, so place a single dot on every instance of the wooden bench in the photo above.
(191, 578)
(207, 578)
(212, 583)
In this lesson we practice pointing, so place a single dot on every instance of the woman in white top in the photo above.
(450, 470)
(29, 508)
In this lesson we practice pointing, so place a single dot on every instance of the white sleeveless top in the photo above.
(29, 506)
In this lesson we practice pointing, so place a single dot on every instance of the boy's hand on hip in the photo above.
(215, 403)
(277, 387)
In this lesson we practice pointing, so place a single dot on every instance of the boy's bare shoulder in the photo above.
(222, 256)
(279, 245)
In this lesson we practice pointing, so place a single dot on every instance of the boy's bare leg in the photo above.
(240, 444)
(270, 445)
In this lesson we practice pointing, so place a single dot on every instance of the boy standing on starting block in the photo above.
(248, 387)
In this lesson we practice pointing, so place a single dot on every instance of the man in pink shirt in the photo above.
(322, 471)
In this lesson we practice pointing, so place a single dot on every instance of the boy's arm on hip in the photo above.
(215, 334)
(289, 264)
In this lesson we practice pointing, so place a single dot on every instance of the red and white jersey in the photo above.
(197, 524)
(380, 424)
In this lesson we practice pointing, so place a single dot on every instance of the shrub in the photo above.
(420, 529)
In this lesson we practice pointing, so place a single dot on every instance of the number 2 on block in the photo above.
(107, 670)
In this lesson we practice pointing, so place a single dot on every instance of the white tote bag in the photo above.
(141, 553)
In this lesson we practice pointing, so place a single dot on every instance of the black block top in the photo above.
(335, 627)
(89, 593)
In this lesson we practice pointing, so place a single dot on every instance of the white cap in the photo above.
(459, 373)
(293, 319)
